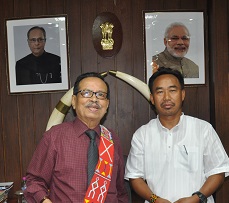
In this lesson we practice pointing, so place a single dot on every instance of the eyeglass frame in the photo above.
(39, 40)
(175, 38)
(93, 93)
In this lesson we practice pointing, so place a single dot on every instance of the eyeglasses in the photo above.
(34, 40)
(176, 38)
(89, 94)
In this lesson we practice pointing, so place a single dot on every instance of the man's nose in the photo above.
(166, 95)
(94, 98)
(36, 42)
(180, 41)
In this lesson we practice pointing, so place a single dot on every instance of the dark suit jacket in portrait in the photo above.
(38, 70)
(187, 67)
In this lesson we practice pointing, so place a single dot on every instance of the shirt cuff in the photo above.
(38, 196)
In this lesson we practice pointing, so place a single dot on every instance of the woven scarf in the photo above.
(100, 182)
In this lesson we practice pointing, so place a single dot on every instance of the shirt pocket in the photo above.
(186, 157)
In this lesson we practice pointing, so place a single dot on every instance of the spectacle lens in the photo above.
(176, 38)
(89, 94)
(34, 40)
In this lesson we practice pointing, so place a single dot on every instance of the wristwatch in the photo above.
(202, 197)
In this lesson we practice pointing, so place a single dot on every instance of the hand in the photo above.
(192, 199)
(47, 201)
(154, 67)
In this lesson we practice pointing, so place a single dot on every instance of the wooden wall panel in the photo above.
(73, 10)
(125, 64)
(2, 86)
(175, 4)
(141, 106)
(24, 117)
(219, 65)
(26, 130)
(37, 9)
(88, 53)
(9, 108)
(55, 7)
(21, 8)
(106, 64)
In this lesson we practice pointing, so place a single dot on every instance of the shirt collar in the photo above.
(81, 127)
(176, 126)
(39, 57)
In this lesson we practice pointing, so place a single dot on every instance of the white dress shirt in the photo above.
(175, 163)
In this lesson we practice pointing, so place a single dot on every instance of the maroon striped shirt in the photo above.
(59, 165)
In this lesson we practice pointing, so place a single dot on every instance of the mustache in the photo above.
(180, 47)
(93, 104)
(167, 102)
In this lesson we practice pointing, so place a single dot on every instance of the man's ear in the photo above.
(183, 94)
(151, 99)
(74, 101)
(165, 41)
(108, 102)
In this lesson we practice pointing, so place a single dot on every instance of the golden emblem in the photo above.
(107, 42)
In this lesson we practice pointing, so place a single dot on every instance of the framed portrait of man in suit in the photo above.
(37, 54)
(175, 39)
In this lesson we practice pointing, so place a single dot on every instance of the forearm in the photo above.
(36, 189)
(212, 184)
(141, 188)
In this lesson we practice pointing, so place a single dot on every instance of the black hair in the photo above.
(163, 71)
(39, 28)
(86, 75)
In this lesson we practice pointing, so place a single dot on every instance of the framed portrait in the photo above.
(37, 54)
(175, 39)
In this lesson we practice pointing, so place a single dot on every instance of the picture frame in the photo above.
(37, 74)
(155, 24)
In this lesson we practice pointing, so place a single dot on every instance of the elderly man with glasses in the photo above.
(39, 67)
(79, 161)
(176, 41)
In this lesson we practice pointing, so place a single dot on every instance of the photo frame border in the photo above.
(11, 53)
(153, 17)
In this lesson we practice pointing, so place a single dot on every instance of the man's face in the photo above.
(36, 42)
(167, 96)
(177, 42)
(90, 110)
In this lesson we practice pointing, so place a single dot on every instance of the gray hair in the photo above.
(172, 25)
